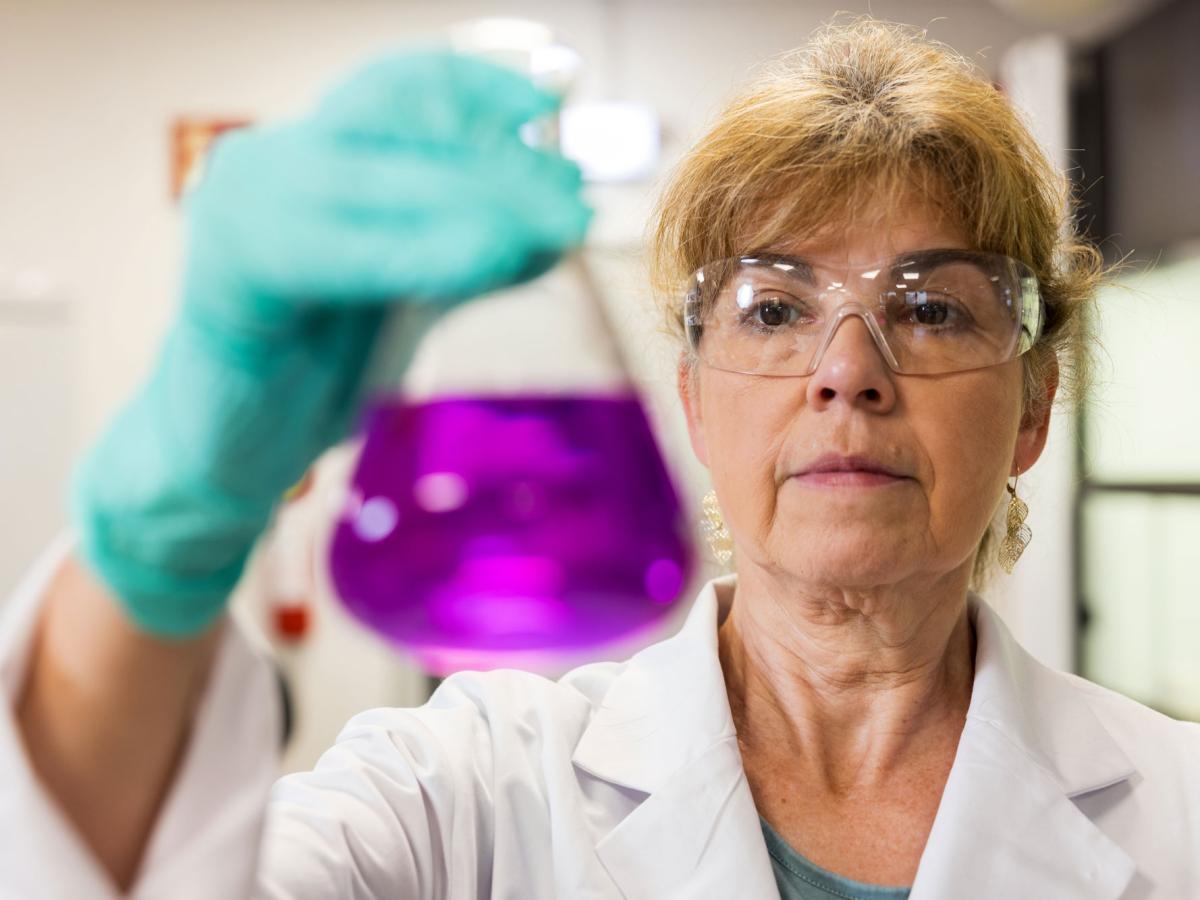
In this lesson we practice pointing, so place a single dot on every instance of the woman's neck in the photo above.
(848, 687)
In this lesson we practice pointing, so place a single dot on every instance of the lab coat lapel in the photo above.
(696, 836)
(1006, 823)
(665, 729)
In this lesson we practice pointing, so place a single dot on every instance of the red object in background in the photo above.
(292, 621)
(190, 139)
(291, 614)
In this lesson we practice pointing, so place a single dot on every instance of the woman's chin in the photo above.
(845, 564)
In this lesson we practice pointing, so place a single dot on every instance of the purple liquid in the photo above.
(479, 530)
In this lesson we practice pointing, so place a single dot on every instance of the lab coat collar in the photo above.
(1006, 822)
(1006, 819)
(664, 729)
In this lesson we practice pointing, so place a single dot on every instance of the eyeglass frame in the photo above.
(1032, 304)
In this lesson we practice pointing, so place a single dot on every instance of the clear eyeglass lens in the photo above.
(937, 311)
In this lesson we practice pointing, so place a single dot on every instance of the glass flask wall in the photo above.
(510, 505)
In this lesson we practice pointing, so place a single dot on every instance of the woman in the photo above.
(877, 303)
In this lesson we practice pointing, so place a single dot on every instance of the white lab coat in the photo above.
(621, 780)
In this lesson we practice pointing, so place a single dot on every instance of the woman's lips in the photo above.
(849, 478)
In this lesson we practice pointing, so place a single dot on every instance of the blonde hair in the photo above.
(869, 110)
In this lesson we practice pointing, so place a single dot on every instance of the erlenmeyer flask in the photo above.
(510, 505)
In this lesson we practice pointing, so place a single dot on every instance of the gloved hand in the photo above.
(407, 184)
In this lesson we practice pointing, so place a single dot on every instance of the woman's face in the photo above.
(954, 439)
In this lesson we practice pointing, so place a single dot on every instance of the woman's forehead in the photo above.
(873, 238)
(879, 217)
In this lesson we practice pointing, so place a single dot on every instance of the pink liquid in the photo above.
(480, 530)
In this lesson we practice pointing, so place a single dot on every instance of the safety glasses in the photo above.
(929, 312)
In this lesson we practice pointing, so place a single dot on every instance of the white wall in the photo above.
(88, 91)
(1037, 599)
(39, 417)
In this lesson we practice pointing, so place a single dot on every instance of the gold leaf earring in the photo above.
(1019, 534)
(720, 541)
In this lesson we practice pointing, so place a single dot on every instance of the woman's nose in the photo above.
(853, 371)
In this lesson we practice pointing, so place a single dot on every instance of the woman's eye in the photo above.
(932, 312)
(773, 312)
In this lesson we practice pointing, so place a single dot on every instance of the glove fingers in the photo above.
(537, 194)
(332, 227)
(433, 95)
(372, 181)
(468, 255)
(448, 257)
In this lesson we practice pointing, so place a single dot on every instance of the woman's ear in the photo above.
(689, 395)
(1035, 423)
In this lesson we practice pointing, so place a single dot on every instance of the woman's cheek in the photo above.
(969, 441)
(745, 433)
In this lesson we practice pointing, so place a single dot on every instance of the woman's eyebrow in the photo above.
(933, 255)
(801, 268)
(794, 266)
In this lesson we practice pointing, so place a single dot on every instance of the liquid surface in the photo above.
(481, 529)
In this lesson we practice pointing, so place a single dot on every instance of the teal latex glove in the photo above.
(408, 183)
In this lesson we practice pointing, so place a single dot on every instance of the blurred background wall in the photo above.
(90, 237)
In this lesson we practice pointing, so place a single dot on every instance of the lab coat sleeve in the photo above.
(400, 806)
(205, 843)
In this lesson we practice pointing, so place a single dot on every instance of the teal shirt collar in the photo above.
(800, 879)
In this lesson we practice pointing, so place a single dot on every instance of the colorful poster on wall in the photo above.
(190, 139)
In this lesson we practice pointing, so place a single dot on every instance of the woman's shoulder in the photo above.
(411, 797)
(1153, 741)
(1069, 717)
(493, 712)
